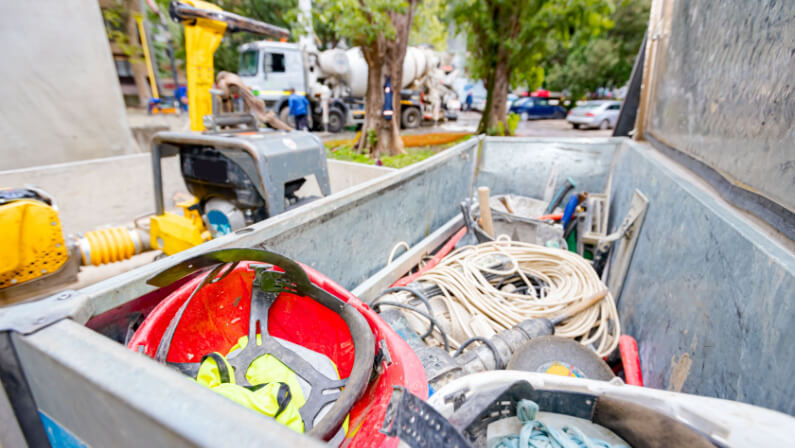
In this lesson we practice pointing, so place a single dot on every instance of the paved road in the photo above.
(530, 128)
(467, 122)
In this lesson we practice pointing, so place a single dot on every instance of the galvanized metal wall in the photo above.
(721, 84)
(522, 165)
(353, 241)
(708, 295)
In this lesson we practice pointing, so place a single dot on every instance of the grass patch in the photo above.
(345, 151)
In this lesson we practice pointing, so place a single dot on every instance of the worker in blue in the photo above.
(299, 106)
(388, 109)
(468, 101)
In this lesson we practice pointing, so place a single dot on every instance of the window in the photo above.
(521, 101)
(541, 102)
(614, 107)
(123, 68)
(248, 63)
(274, 63)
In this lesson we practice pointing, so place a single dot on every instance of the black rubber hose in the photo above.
(416, 294)
(499, 364)
(375, 307)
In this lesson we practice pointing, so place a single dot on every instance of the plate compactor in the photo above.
(236, 178)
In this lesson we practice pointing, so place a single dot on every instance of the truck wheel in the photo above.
(284, 115)
(336, 120)
(411, 117)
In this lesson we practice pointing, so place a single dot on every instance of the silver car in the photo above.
(595, 114)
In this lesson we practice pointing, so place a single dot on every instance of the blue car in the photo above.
(530, 108)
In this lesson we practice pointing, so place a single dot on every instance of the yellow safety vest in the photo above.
(276, 391)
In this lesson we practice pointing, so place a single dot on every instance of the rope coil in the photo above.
(545, 283)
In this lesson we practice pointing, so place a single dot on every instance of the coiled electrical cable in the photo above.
(445, 342)
(466, 300)
(416, 294)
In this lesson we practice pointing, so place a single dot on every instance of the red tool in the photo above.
(630, 358)
(553, 217)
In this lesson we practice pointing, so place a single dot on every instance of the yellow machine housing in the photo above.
(33, 243)
(171, 233)
(202, 38)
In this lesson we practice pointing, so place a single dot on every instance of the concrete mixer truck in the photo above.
(335, 81)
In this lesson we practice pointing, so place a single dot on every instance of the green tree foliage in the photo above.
(604, 60)
(430, 25)
(381, 29)
(362, 22)
(324, 18)
(508, 40)
(115, 17)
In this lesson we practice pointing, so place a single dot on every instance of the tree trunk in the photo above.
(374, 55)
(396, 53)
(483, 126)
(385, 58)
(499, 104)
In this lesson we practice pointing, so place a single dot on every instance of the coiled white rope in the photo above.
(469, 304)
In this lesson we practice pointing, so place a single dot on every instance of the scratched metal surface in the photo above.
(724, 95)
(521, 165)
(354, 241)
(708, 296)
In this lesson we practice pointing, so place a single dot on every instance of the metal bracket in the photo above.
(27, 318)
(625, 238)
(418, 424)
(381, 356)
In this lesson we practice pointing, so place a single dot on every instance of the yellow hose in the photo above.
(111, 245)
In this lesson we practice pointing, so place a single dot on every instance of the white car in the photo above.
(595, 114)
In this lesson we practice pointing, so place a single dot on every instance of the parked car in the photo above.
(512, 98)
(478, 101)
(533, 107)
(595, 114)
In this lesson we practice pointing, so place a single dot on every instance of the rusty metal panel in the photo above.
(722, 90)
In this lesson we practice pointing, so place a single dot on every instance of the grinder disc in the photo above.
(560, 356)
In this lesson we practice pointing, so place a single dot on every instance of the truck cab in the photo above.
(271, 69)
